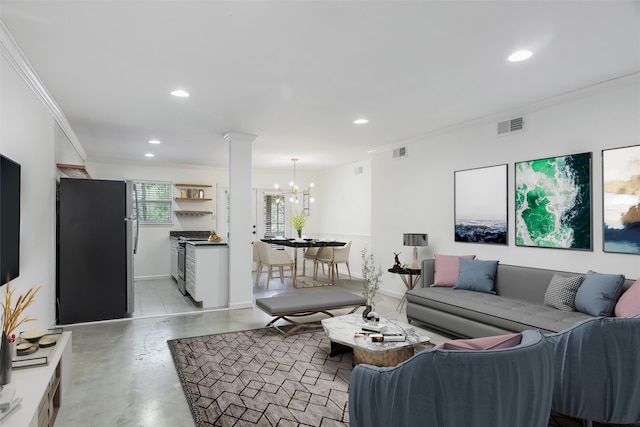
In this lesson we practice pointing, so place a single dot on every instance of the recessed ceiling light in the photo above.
(361, 121)
(519, 55)
(180, 93)
(149, 155)
(154, 141)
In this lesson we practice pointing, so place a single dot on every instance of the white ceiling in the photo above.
(297, 73)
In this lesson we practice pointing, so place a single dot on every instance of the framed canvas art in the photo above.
(481, 205)
(553, 202)
(621, 199)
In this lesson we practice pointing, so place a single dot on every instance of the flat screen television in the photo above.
(9, 219)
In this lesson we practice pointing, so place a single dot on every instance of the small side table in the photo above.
(410, 278)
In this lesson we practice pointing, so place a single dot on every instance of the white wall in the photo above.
(27, 135)
(65, 151)
(344, 210)
(417, 194)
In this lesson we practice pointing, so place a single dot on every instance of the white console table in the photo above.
(42, 388)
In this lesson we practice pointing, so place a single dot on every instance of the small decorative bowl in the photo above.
(47, 342)
(33, 335)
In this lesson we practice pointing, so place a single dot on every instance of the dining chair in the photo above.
(274, 258)
(324, 256)
(256, 260)
(332, 256)
(341, 256)
(310, 254)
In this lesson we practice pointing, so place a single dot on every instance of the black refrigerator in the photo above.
(96, 240)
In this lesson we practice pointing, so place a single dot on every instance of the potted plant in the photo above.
(11, 315)
(370, 280)
(298, 219)
(10, 322)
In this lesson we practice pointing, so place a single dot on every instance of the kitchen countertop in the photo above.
(188, 234)
(205, 243)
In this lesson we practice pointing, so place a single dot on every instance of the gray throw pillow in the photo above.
(476, 275)
(599, 293)
(562, 290)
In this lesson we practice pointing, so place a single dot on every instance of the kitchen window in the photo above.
(153, 201)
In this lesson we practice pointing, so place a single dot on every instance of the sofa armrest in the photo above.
(428, 272)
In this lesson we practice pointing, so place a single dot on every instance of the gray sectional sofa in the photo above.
(518, 304)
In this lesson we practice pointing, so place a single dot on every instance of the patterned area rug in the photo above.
(257, 377)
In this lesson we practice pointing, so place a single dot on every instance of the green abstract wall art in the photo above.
(621, 199)
(553, 202)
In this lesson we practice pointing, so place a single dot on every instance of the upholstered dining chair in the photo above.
(332, 256)
(597, 370)
(324, 256)
(310, 254)
(256, 260)
(454, 388)
(270, 258)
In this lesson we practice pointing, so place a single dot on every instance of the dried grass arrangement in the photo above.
(11, 315)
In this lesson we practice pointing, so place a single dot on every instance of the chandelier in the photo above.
(294, 192)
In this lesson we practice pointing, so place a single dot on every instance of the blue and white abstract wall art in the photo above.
(481, 205)
(621, 199)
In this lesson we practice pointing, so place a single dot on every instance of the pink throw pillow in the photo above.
(629, 303)
(447, 269)
(484, 343)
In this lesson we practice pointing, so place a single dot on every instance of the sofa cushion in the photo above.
(447, 268)
(629, 303)
(476, 275)
(485, 343)
(599, 293)
(561, 293)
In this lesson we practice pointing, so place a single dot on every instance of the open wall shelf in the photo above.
(193, 213)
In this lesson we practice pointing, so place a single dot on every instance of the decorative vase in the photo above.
(299, 230)
(5, 360)
(367, 310)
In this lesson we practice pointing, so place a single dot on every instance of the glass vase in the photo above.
(299, 230)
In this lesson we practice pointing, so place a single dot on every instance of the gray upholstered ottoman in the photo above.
(307, 302)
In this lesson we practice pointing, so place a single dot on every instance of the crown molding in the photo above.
(14, 55)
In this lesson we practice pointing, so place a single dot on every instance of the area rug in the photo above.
(257, 377)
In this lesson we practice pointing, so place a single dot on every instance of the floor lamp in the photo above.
(415, 240)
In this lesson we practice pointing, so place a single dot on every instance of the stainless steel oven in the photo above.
(182, 258)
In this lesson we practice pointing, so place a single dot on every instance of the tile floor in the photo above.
(123, 374)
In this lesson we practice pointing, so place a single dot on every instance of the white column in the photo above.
(240, 237)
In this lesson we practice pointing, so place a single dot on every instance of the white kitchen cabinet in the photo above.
(173, 259)
(207, 273)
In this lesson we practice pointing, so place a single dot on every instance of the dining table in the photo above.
(304, 243)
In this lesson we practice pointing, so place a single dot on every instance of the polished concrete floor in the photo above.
(123, 374)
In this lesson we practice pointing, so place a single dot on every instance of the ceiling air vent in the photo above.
(400, 153)
(510, 126)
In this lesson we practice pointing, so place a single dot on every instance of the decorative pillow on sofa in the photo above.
(476, 275)
(629, 303)
(447, 268)
(484, 343)
(599, 293)
(562, 290)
